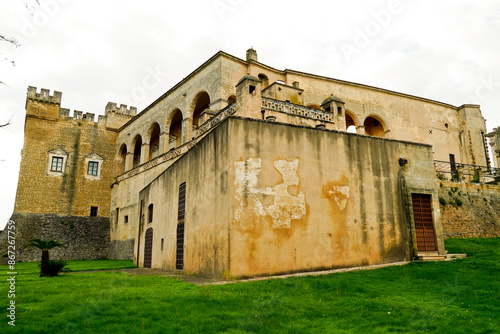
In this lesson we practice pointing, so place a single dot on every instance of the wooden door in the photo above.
(424, 225)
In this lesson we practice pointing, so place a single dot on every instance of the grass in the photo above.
(459, 296)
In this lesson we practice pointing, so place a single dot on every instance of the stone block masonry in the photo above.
(470, 211)
(86, 238)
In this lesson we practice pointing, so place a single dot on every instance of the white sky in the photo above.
(99, 51)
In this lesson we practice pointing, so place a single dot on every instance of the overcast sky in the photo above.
(131, 52)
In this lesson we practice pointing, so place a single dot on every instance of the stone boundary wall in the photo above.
(121, 249)
(471, 211)
(86, 238)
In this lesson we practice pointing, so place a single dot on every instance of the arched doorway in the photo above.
(137, 151)
(202, 103)
(175, 130)
(154, 141)
(148, 247)
(231, 99)
(374, 126)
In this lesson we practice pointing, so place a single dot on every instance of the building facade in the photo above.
(242, 169)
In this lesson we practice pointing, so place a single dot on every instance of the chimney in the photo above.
(251, 54)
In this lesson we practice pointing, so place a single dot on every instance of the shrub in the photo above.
(441, 176)
(458, 202)
(54, 267)
(475, 177)
(442, 201)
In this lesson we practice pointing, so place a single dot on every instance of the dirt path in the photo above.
(209, 281)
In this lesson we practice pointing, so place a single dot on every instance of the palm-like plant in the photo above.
(44, 246)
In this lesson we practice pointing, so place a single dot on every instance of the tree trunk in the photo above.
(45, 262)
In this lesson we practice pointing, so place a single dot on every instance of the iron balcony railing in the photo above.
(458, 172)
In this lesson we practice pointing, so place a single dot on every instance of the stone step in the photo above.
(430, 256)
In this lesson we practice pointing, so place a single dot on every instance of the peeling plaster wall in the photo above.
(306, 199)
(286, 198)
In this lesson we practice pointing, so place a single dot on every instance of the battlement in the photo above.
(44, 95)
(112, 107)
(79, 115)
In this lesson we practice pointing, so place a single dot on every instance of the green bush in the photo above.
(475, 177)
(441, 176)
(458, 202)
(54, 267)
(442, 201)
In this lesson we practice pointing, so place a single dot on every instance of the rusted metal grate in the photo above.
(424, 225)
(179, 256)
(148, 247)
(182, 202)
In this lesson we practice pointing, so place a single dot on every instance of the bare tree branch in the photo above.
(10, 40)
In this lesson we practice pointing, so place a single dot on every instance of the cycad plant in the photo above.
(45, 246)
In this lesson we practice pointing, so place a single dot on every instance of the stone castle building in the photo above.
(242, 169)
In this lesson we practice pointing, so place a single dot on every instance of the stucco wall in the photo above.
(286, 198)
(306, 199)
(204, 169)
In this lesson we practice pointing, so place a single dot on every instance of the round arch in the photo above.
(174, 126)
(264, 79)
(351, 121)
(375, 126)
(154, 140)
(231, 99)
(137, 148)
(122, 156)
(200, 103)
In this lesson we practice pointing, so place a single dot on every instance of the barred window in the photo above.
(93, 168)
(57, 163)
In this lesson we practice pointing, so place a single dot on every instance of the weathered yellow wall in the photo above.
(305, 199)
(285, 198)
(204, 169)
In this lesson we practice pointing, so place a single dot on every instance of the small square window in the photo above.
(126, 219)
(93, 168)
(93, 211)
(57, 163)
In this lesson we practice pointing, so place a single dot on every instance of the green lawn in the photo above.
(459, 296)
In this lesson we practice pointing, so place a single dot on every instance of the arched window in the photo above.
(175, 129)
(154, 141)
(202, 103)
(374, 126)
(137, 151)
(231, 99)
